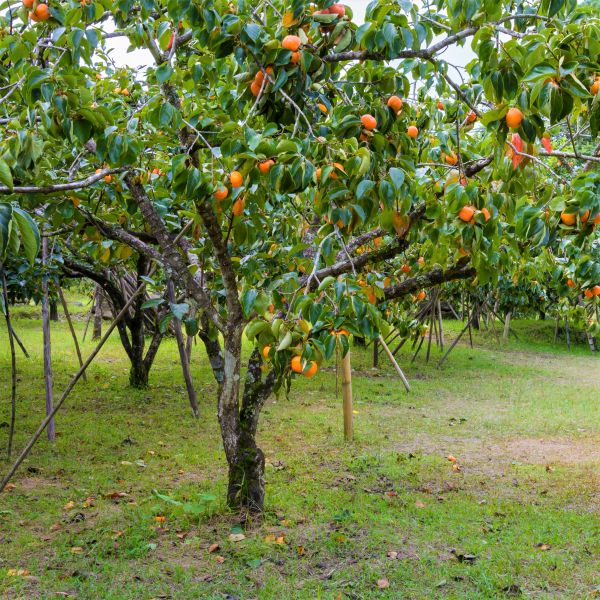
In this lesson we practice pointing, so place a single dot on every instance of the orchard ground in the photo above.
(387, 516)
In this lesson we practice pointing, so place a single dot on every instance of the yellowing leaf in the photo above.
(69, 505)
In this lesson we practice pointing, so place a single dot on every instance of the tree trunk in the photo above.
(246, 487)
(138, 374)
(53, 311)
(97, 332)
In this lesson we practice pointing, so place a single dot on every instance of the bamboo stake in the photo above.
(67, 391)
(71, 328)
(47, 343)
(89, 317)
(13, 366)
(396, 365)
(347, 396)
(183, 357)
(506, 325)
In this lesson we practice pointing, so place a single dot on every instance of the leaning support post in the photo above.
(183, 356)
(347, 396)
(47, 342)
(506, 325)
(71, 328)
(13, 366)
(396, 365)
(67, 391)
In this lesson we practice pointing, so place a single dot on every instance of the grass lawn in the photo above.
(384, 517)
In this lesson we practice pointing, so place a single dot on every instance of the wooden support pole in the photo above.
(67, 391)
(347, 396)
(47, 343)
(396, 365)
(375, 354)
(13, 365)
(506, 325)
(71, 328)
(183, 356)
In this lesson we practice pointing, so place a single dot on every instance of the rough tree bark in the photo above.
(97, 331)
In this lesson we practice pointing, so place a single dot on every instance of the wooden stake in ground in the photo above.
(396, 365)
(50, 418)
(47, 344)
(13, 365)
(71, 328)
(183, 356)
(98, 314)
(347, 396)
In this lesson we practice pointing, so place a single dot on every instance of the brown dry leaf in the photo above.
(9, 487)
(285, 523)
(456, 467)
(160, 519)
(383, 583)
(17, 572)
(213, 548)
(391, 494)
(89, 501)
(181, 471)
(236, 537)
(392, 554)
(543, 547)
(270, 539)
(115, 495)
(76, 550)
(419, 504)
(69, 505)
(300, 550)
(220, 559)
(55, 527)
(280, 539)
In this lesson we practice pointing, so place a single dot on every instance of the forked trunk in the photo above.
(138, 375)
(246, 487)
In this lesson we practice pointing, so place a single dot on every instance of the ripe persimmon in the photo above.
(312, 369)
(238, 207)
(596, 290)
(40, 13)
(369, 122)
(28, 3)
(337, 9)
(421, 295)
(514, 117)
(471, 117)
(405, 268)
(236, 179)
(451, 159)
(466, 213)
(486, 214)
(412, 131)
(440, 105)
(322, 108)
(595, 87)
(568, 219)
(265, 166)
(570, 283)
(589, 293)
(265, 351)
(395, 103)
(291, 42)
(221, 193)
(295, 58)
(297, 364)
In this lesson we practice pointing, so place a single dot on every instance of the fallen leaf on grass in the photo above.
(69, 505)
(213, 548)
(160, 519)
(543, 547)
(392, 554)
(89, 501)
(10, 487)
(456, 467)
(236, 537)
(17, 572)
(419, 504)
(55, 527)
(391, 494)
(383, 583)
(115, 495)
(220, 559)
(76, 550)
(463, 558)
(280, 539)
(300, 550)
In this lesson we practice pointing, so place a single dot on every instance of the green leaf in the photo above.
(179, 310)
(5, 222)
(6, 175)
(248, 298)
(152, 303)
(30, 234)
(397, 177)
(164, 72)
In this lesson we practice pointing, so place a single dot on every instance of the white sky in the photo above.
(141, 58)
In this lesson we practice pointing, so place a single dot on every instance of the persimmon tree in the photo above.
(293, 172)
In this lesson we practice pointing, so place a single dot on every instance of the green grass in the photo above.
(523, 420)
